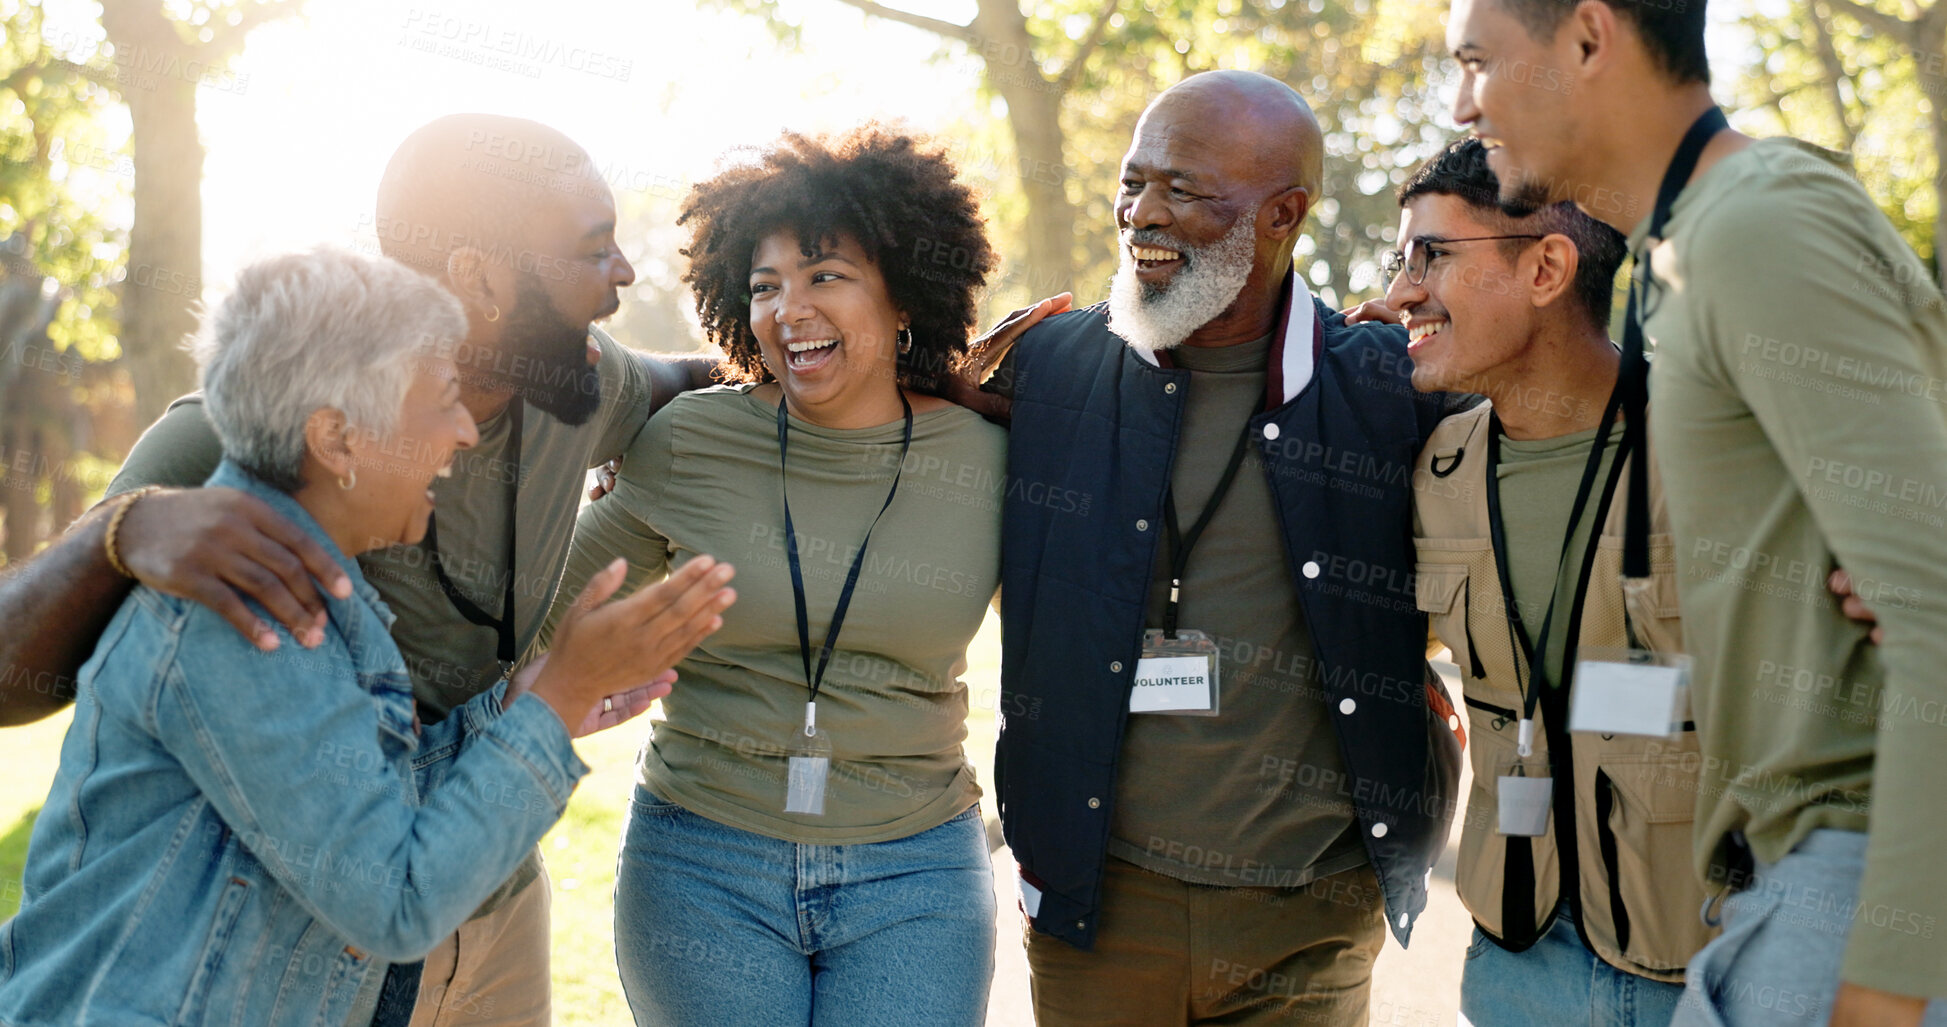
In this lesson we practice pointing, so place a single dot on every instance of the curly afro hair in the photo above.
(893, 192)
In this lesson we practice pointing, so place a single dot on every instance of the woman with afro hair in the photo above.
(805, 844)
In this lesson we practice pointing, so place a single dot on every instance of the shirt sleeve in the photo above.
(628, 397)
(311, 790)
(180, 450)
(1819, 243)
(619, 524)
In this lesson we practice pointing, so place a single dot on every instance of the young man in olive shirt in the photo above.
(1798, 343)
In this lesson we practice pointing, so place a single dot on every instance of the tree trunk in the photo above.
(1034, 118)
(165, 244)
(165, 241)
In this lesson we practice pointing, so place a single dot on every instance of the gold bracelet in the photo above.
(124, 502)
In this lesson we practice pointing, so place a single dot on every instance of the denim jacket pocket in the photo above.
(229, 907)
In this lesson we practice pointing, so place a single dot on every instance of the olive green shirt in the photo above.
(1538, 479)
(450, 658)
(1258, 795)
(1799, 404)
(703, 478)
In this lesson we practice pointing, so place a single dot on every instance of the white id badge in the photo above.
(1630, 692)
(1176, 675)
(1526, 792)
(810, 765)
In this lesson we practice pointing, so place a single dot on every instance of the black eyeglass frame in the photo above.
(1392, 263)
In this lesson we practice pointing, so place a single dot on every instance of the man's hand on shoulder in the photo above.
(985, 354)
(217, 546)
(1373, 310)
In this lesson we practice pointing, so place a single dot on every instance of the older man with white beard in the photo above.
(1224, 766)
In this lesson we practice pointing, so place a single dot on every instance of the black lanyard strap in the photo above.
(1635, 367)
(1535, 650)
(503, 625)
(814, 680)
(1180, 542)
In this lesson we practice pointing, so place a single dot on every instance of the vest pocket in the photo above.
(1440, 592)
(1645, 805)
(1653, 608)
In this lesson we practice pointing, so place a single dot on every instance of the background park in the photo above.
(150, 148)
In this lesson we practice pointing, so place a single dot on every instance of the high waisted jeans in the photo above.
(718, 925)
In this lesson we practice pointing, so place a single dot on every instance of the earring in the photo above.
(353, 483)
(495, 316)
(905, 341)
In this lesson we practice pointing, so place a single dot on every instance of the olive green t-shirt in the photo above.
(1258, 795)
(1538, 479)
(703, 478)
(1798, 409)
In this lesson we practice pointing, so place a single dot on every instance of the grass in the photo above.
(580, 851)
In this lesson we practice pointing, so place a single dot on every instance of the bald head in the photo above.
(1219, 178)
(476, 180)
(1258, 115)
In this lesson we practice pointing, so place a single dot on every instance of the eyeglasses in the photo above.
(1414, 261)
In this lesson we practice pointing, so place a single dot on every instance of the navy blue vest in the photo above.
(1093, 437)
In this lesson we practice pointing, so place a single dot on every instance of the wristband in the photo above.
(124, 502)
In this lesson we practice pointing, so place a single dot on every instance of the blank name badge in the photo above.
(1176, 675)
(1525, 791)
(1630, 692)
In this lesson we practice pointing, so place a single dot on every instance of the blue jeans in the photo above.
(718, 925)
(1777, 961)
(1558, 981)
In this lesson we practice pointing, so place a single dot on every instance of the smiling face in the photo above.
(1518, 95)
(1473, 315)
(1188, 226)
(568, 276)
(827, 328)
(393, 493)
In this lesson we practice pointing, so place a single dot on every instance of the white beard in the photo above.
(1212, 277)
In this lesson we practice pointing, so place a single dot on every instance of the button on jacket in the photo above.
(242, 837)
(1093, 439)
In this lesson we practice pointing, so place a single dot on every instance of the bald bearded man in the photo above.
(1224, 766)
(510, 216)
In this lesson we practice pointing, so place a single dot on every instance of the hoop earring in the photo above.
(905, 341)
(495, 316)
(353, 483)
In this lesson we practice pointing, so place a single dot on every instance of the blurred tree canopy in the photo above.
(1072, 76)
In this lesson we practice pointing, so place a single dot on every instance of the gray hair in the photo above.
(306, 331)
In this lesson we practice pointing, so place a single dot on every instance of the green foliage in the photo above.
(58, 175)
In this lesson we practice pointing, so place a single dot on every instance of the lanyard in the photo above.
(1635, 367)
(813, 681)
(1181, 543)
(503, 625)
(1536, 649)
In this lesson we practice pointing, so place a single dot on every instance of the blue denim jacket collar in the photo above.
(363, 612)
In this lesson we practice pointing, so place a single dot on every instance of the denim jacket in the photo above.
(250, 838)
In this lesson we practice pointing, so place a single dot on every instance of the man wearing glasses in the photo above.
(1574, 855)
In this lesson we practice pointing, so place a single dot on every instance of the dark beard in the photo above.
(1529, 195)
(558, 379)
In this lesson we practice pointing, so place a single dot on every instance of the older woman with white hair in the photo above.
(252, 837)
